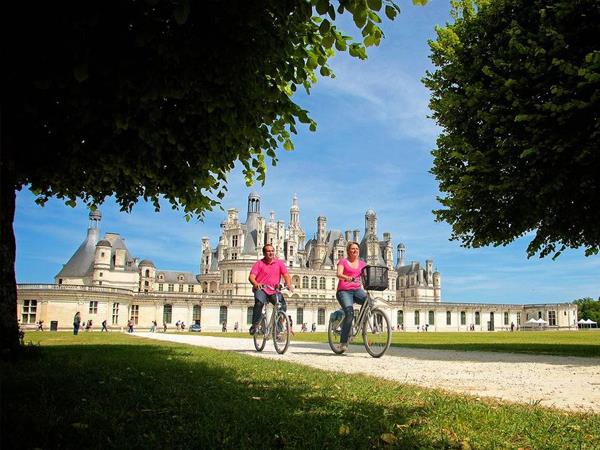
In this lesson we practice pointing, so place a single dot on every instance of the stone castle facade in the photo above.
(105, 282)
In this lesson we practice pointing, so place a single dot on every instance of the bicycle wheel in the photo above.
(260, 335)
(334, 334)
(377, 333)
(281, 332)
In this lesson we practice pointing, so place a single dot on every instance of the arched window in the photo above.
(313, 282)
(322, 283)
(305, 282)
(477, 318)
(222, 314)
(147, 272)
(400, 317)
(205, 287)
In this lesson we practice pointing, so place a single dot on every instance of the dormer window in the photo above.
(180, 278)
(161, 277)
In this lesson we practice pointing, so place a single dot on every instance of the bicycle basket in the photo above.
(375, 278)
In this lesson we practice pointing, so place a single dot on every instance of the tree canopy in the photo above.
(157, 99)
(516, 90)
(588, 308)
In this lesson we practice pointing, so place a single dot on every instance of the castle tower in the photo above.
(401, 255)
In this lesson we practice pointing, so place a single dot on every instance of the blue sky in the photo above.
(371, 150)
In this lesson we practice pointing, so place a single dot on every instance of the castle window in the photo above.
(333, 283)
(552, 318)
(222, 314)
(101, 254)
(463, 318)
(60, 282)
(340, 254)
(305, 282)
(190, 288)
(322, 285)
(135, 313)
(171, 287)
(300, 316)
(147, 272)
(160, 287)
(448, 318)
(505, 318)
(477, 318)
(249, 313)
(205, 287)
(101, 274)
(197, 314)
(181, 288)
(518, 318)
(146, 283)
(115, 313)
(229, 276)
(291, 252)
(167, 313)
(234, 256)
(417, 318)
(321, 316)
(161, 277)
(234, 240)
(313, 282)
(400, 317)
(29, 311)
(431, 317)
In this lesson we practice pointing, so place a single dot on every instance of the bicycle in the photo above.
(277, 327)
(371, 320)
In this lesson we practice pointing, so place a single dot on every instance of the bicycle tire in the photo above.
(334, 335)
(377, 342)
(281, 332)
(260, 337)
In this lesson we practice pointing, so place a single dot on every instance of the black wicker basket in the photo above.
(375, 278)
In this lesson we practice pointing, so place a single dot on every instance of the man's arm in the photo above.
(288, 282)
(255, 285)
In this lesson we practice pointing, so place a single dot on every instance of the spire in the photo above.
(294, 213)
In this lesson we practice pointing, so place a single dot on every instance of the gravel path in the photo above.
(571, 383)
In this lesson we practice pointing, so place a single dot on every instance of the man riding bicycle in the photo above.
(265, 275)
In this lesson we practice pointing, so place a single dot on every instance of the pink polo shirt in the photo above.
(268, 274)
(344, 285)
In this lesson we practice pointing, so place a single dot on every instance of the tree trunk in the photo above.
(9, 331)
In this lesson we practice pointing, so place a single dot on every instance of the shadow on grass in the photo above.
(170, 396)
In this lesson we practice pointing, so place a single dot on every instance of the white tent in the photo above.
(541, 321)
(590, 322)
(582, 321)
(532, 321)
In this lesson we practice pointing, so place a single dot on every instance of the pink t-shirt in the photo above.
(349, 271)
(269, 274)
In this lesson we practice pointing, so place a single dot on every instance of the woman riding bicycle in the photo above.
(349, 289)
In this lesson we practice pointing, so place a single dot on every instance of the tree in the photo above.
(156, 99)
(588, 308)
(516, 90)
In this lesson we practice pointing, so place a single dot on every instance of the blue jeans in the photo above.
(260, 299)
(346, 299)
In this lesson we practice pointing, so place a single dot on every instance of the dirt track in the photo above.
(571, 383)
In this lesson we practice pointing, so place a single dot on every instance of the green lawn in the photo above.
(565, 343)
(117, 391)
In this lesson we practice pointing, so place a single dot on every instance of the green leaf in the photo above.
(182, 12)
(322, 6)
(375, 5)
(390, 12)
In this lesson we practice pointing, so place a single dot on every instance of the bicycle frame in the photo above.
(277, 326)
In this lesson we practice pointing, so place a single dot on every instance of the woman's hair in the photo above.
(350, 244)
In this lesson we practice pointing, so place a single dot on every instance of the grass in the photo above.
(563, 343)
(118, 391)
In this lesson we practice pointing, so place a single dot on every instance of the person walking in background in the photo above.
(164, 327)
(76, 323)
(104, 327)
(130, 325)
(235, 327)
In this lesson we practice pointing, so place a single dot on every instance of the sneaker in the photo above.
(342, 347)
(252, 330)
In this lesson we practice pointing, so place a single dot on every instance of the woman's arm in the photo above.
(340, 274)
